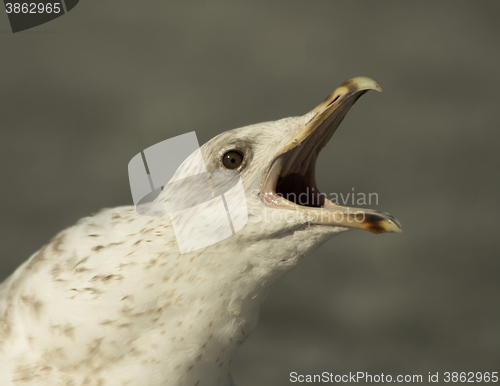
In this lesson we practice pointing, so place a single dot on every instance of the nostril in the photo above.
(332, 102)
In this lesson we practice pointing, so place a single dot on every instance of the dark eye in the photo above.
(233, 159)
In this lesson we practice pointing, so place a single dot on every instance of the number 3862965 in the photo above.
(33, 8)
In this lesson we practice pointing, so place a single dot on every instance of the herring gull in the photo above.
(112, 301)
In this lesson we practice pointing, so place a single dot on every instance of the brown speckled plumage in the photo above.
(112, 301)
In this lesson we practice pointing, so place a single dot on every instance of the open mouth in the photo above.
(290, 182)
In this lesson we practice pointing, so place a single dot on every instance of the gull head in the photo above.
(287, 215)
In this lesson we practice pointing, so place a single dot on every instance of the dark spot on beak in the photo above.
(374, 223)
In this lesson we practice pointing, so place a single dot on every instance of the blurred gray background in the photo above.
(82, 95)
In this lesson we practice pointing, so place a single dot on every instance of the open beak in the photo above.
(290, 182)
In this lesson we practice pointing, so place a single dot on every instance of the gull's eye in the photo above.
(232, 159)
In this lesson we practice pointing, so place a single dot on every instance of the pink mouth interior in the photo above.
(292, 176)
(296, 180)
